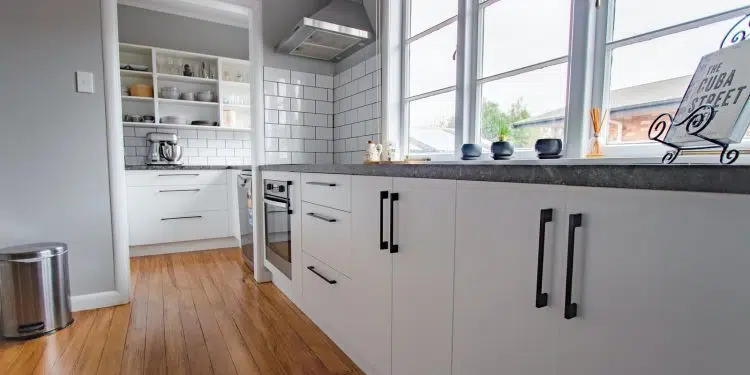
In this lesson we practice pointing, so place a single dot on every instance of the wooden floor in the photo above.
(190, 313)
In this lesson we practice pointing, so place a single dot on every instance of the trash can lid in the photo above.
(33, 250)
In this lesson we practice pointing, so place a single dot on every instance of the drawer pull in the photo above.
(312, 269)
(182, 218)
(179, 174)
(331, 184)
(321, 217)
(179, 190)
(571, 308)
(541, 297)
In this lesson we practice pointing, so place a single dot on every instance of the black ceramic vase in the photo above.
(471, 151)
(502, 150)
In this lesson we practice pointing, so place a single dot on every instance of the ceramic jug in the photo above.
(372, 152)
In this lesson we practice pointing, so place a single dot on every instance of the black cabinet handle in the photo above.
(383, 198)
(179, 174)
(179, 190)
(288, 198)
(571, 309)
(545, 217)
(394, 247)
(181, 218)
(312, 269)
(331, 184)
(321, 217)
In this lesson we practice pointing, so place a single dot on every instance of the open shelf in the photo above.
(241, 107)
(139, 99)
(181, 126)
(187, 102)
(135, 73)
(176, 78)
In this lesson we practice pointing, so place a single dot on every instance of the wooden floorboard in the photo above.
(190, 313)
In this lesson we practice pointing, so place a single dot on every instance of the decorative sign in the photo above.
(721, 81)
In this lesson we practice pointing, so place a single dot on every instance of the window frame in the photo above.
(588, 78)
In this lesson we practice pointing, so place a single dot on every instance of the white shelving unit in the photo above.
(231, 87)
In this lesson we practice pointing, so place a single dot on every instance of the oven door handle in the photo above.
(275, 203)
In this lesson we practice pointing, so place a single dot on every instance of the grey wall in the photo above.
(146, 27)
(54, 183)
(279, 19)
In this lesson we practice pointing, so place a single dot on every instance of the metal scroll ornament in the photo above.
(694, 124)
(737, 33)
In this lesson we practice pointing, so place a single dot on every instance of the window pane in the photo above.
(650, 78)
(518, 34)
(431, 64)
(432, 124)
(633, 17)
(428, 13)
(530, 105)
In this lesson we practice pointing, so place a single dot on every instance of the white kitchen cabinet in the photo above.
(371, 273)
(661, 284)
(424, 232)
(326, 234)
(498, 327)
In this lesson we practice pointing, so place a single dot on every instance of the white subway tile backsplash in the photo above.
(166, 131)
(276, 131)
(216, 160)
(376, 76)
(234, 160)
(199, 143)
(276, 75)
(278, 103)
(330, 94)
(314, 119)
(324, 81)
(142, 151)
(306, 132)
(237, 144)
(339, 145)
(187, 133)
(364, 113)
(316, 145)
(270, 88)
(142, 132)
(128, 131)
(197, 160)
(364, 83)
(272, 116)
(247, 144)
(278, 157)
(216, 143)
(351, 116)
(287, 144)
(134, 160)
(373, 127)
(272, 144)
(224, 134)
(358, 129)
(371, 96)
(130, 151)
(345, 158)
(371, 64)
(359, 100)
(324, 107)
(330, 146)
(315, 93)
(352, 144)
(290, 118)
(345, 131)
(339, 93)
(346, 104)
(247, 160)
(225, 152)
(301, 78)
(189, 151)
(345, 77)
(206, 152)
(339, 119)
(244, 152)
(302, 105)
(291, 91)
(207, 134)
(303, 158)
(358, 70)
(324, 133)
(244, 136)
(351, 88)
(324, 158)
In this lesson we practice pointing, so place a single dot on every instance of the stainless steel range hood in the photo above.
(331, 34)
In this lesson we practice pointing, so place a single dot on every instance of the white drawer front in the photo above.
(176, 177)
(154, 228)
(326, 235)
(170, 199)
(330, 190)
(326, 303)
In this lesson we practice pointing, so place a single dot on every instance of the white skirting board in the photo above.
(97, 300)
(182, 247)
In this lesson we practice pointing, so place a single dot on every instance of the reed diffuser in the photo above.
(597, 119)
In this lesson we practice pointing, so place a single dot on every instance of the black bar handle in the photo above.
(179, 174)
(182, 217)
(312, 269)
(331, 184)
(288, 198)
(394, 247)
(383, 198)
(571, 309)
(545, 217)
(179, 190)
(321, 217)
(32, 327)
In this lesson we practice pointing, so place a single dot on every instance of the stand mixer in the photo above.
(163, 149)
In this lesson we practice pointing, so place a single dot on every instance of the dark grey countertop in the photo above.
(184, 167)
(678, 177)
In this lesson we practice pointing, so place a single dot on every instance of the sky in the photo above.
(518, 34)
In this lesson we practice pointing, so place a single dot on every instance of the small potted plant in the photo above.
(503, 148)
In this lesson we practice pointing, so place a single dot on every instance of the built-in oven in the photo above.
(278, 210)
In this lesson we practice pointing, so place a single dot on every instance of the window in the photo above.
(649, 59)
(430, 77)
(523, 73)
(533, 69)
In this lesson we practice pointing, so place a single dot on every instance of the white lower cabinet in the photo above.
(325, 294)
(498, 328)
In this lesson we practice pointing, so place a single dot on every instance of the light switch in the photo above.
(85, 82)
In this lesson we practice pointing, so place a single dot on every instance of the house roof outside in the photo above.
(634, 98)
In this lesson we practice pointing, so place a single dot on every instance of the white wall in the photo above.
(54, 183)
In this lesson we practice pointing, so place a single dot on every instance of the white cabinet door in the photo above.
(498, 328)
(425, 219)
(661, 284)
(370, 270)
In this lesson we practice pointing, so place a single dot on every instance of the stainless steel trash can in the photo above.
(34, 290)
